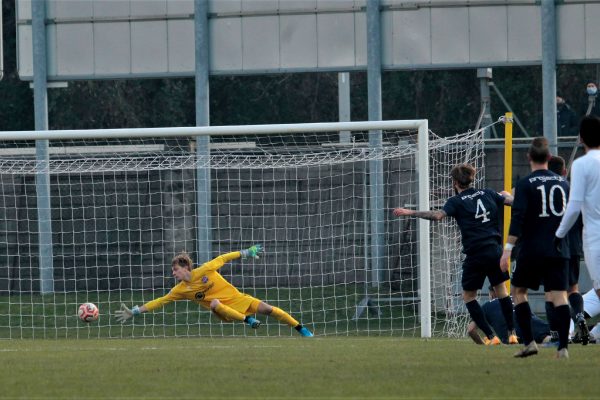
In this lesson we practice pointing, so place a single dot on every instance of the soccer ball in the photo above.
(88, 312)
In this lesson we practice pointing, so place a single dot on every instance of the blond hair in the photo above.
(183, 260)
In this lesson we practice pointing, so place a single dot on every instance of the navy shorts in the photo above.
(552, 272)
(478, 266)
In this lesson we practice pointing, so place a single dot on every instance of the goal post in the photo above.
(424, 243)
(125, 201)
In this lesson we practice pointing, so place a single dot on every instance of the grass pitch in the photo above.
(270, 368)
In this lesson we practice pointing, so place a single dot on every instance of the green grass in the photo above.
(328, 311)
(268, 368)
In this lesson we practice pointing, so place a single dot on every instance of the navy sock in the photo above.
(523, 314)
(562, 324)
(576, 302)
(477, 316)
(550, 316)
(507, 311)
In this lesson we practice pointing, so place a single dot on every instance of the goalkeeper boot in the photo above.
(252, 322)
(305, 332)
(583, 330)
(530, 350)
(495, 341)
(512, 338)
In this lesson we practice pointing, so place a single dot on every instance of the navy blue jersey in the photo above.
(540, 202)
(476, 213)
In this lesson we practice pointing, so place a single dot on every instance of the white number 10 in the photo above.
(481, 212)
(545, 202)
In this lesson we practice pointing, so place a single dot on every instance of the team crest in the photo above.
(204, 279)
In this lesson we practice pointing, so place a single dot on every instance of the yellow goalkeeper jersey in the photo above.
(205, 285)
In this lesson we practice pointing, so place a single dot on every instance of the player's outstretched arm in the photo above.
(436, 215)
(252, 251)
(125, 313)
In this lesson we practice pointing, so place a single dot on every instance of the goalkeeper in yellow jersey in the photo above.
(205, 286)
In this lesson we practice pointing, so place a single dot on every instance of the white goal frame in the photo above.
(371, 126)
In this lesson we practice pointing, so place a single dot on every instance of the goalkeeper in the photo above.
(205, 286)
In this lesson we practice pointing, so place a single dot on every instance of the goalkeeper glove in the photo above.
(252, 251)
(125, 313)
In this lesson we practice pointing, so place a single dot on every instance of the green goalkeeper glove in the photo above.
(252, 251)
(125, 313)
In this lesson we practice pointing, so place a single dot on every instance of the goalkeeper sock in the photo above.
(284, 317)
(229, 313)
(478, 317)
(507, 311)
(523, 314)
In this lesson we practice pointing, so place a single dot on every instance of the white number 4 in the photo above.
(481, 212)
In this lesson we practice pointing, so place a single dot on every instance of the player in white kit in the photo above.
(585, 197)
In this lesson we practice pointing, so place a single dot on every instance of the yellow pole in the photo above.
(508, 131)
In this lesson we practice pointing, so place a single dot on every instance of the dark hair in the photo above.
(183, 260)
(556, 164)
(589, 131)
(463, 175)
(539, 152)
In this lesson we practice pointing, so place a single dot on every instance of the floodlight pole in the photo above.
(375, 140)
(548, 10)
(203, 184)
(42, 177)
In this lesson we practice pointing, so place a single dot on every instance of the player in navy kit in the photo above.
(539, 203)
(476, 213)
(556, 164)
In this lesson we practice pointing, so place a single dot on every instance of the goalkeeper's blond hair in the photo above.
(183, 260)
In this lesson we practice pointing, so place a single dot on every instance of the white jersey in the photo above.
(585, 192)
(585, 197)
(585, 187)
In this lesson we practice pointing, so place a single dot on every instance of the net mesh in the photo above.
(122, 208)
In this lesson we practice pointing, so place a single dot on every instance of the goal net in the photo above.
(119, 204)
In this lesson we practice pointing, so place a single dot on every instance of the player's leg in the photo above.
(282, 316)
(477, 315)
(591, 304)
(225, 312)
(556, 282)
(549, 307)
(498, 280)
(523, 316)
(525, 276)
(473, 334)
(472, 280)
(595, 333)
(576, 301)
(591, 254)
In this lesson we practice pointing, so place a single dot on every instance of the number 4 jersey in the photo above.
(539, 204)
(476, 213)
